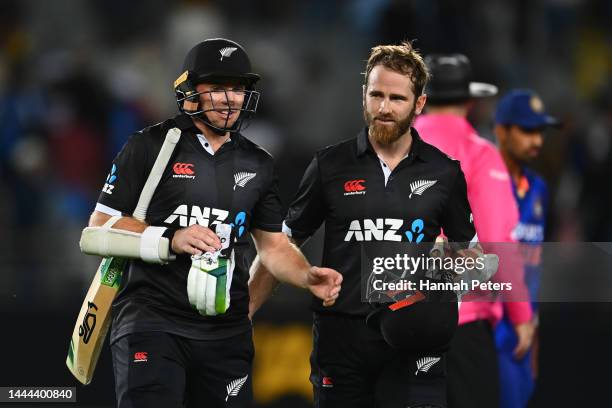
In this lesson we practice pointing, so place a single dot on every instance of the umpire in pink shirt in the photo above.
(472, 359)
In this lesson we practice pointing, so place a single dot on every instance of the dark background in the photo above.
(77, 77)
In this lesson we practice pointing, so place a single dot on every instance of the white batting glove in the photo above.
(210, 277)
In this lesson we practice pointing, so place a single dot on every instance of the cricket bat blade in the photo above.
(94, 320)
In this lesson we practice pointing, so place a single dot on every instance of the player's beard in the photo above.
(528, 155)
(519, 154)
(385, 134)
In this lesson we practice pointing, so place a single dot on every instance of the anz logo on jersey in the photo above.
(385, 229)
(206, 217)
(110, 179)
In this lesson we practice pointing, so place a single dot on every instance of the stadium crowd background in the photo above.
(77, 77)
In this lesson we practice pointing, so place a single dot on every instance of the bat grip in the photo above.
(172, 138)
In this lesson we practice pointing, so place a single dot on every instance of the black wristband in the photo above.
(169, 233)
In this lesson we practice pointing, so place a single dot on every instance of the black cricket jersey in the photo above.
(350, 189)
(235, 185)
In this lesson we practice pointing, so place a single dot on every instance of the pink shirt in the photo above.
(491, 198)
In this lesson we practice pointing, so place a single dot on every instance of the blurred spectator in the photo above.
(77, 77)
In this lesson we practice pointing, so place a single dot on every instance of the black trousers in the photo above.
(157, 369)
(473, 376)
(352, 366)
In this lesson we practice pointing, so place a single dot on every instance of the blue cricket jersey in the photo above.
(516, 377)
(531, 195)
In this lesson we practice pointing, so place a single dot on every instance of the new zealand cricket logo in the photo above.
(89, 323)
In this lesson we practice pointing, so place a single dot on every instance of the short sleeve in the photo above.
(493, 203)
(306, 212)
(267, 213)
(457, 220)
(126, 177)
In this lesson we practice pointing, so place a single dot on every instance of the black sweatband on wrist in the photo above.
(169, 233)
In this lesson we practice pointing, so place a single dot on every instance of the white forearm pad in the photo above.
(149, 246)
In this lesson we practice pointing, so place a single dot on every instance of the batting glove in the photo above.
(210, 277)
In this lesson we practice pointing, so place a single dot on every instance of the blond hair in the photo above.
(403, 59)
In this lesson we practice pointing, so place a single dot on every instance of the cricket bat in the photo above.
(95, 315)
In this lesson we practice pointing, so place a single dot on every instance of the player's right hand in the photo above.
(195, 240)
(324, 283)
(524, 333)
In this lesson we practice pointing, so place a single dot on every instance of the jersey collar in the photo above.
(185, 124)
(416, 151)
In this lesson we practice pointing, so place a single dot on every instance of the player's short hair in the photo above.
(403, 58)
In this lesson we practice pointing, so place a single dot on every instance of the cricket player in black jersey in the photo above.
(386, 184)
(181, 335)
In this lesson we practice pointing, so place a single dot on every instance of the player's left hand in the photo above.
(324, 283)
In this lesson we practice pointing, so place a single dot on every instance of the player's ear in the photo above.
(501, 133)
(420, 104)
(364, 88)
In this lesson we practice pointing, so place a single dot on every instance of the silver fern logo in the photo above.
(424, 364)
(234, 387)
(418, 187)
(242, 178)
(226, 52)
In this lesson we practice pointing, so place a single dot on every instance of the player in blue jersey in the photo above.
(520, 121)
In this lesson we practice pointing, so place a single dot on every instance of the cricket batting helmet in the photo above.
(216, 60)
(422, 321)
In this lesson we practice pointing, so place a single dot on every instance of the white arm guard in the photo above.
(149, 245)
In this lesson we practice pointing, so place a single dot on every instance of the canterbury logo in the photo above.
(352, 187)
(183, 170)
(141, 356)
(234, 387)
(226, 52)
(424, 364)
(327, 382)
(418, 187)
(242, 178)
